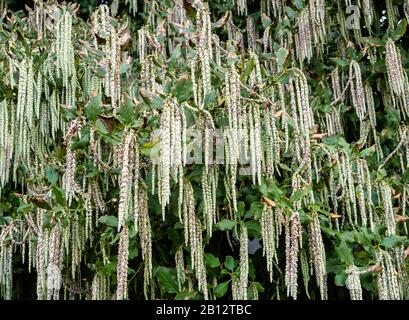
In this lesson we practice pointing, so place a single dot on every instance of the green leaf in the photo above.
(225, 225)
(298, 4)
(92, 174)
(69, 113)
(400, 29)
(47, 219)
(133, 252)
(290, 12)
(24, 208)
(110, 268)
(211, 260)
(221, 289)
(255, 211)
(327, 230)
(323, 107)
(80, 143)
(100, 72)
(367, 152)
(58, 195)
(252, 225)
(109, 220)
(258, 286)
(176, 53)
(271, 190)
(210, 98)
(374, 42)
(249, 68)
(7, 219)
(126, 112)
(152, 100)
(334, 265)
(393, 241)
(183, 89)
(101, 127)
(132, 232)
(265, 21)
(93, 108)
(392, 116)
(167, 279)
(124, 68)
(381, 174)
(405, 176)
(282, 54)
(187, 296)
(284, 79)
(230, 263)
(340, 279)
(224, 272)
(173, 235)
(51, 175)
(240, 208)
(285, 167)
(345, 253)
(347, 236)
(298, 195)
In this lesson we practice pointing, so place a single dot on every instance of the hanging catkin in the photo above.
(305, 122)
(6, 141)
(369, 14)
(317, 255)
(268, 230)
(69, 183)
(371, 105)
(303, 39)
(397, 77)
(122, 269)
(406, 9)
(357, 90)
(392, 12)
(293, 242)
(317, 20)
(145, 237)
(389, 217)
(209, 187)
(6, 264)
(360, 189)
(126, 178)
(256, 156)
(55, 263)
(173, 149)
(180, 268)
(100, 287)
(65, 57)
(193, 236)
(388, 285)
(234, 134)
(244, 263)
(353, 283)
(241, 7)
(204, 50)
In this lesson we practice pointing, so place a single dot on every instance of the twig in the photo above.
(342, 96)
(401, 143)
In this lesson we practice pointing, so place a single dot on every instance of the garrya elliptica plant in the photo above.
(222, 149)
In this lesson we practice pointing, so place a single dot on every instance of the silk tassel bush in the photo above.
(145, 150)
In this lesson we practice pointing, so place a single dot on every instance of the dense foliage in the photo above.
(186, 149)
